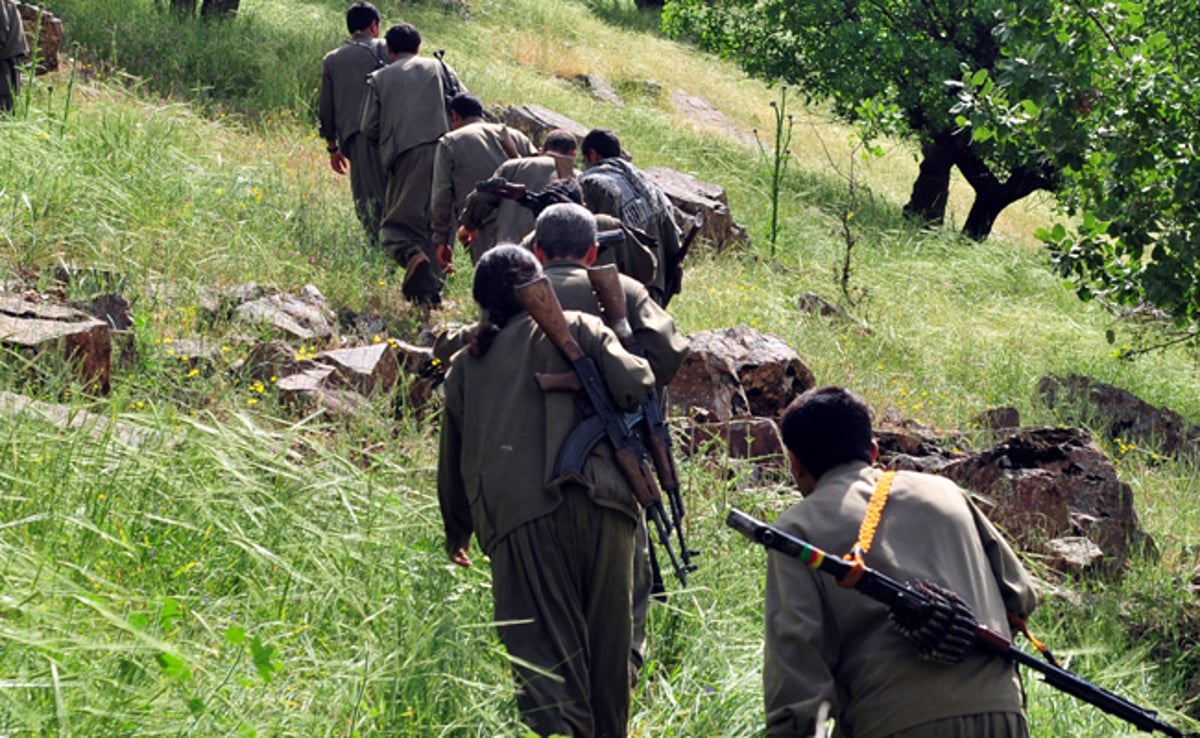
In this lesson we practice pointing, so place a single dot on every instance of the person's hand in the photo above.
(461, 558)
(465, 237)
(445, 258)
(338, 162)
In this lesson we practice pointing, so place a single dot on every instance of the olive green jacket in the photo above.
(465, 156)
(826, 642)
(653, 328)
(405, 106)
(344, 83)
(501, 433)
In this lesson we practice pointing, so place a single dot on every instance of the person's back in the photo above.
(560, 548)
(343, 87)
(615, 187)
(927, 531)
(412, 110)
(470, 152)
(826, 643)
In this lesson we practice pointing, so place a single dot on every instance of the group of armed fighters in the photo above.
(555, 454)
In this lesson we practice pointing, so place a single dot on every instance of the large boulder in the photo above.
(1124, 416)
(739, 371)
(703, 201)
(1044, 484)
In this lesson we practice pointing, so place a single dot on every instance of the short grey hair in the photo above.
(565, 231)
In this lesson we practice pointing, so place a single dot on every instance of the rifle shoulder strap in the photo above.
(866, 531)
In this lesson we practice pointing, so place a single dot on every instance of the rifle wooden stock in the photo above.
(898, 596)
(564, 165)
(539, 299)
(557, 381)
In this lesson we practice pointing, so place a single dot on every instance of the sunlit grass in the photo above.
(248, 571)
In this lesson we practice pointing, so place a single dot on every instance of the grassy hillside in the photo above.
(244, 572)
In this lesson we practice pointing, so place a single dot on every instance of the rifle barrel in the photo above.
(894, 594)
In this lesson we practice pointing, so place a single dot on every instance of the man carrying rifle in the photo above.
(491, 218)
(565, 243)
(830, 644)
(561, 548)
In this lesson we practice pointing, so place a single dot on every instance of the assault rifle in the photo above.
(606, 283)
(539, 299)
(912, 606)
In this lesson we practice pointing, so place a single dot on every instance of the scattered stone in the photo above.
(769, 372)
(599, 87)
(114, 310)
(46, 31)
(1006, 418)
(1047, 483)
(98, 427)
(536, 121)
(811, 303)
(364, 369)
(693, 196)
(305, 318)
(703, 112)
(1073, 555)
(35, 329)
(743, 438)
(1122, 414)
(707, 384)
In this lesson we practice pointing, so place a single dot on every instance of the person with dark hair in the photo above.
(468, 153)
(339, 113)
(614, 186)
(404, 114)
(829, 644)
(565, 243)
(561, 549)
(14, 48)
(489, 218)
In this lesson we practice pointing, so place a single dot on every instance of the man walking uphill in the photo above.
(404, 113)
(831, 644)
(613, 186)
(561, 548)
(470, 152)
(339, 111)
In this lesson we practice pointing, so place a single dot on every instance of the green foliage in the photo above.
(883, 66)
(243, 571)
(1109, 94)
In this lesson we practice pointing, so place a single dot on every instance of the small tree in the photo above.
(883, 65)
(1110, 94)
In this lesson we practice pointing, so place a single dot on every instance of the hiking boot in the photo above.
(421, 286)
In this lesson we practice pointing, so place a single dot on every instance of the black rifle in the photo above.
(909, 603)
(606, 284)
(539, 299)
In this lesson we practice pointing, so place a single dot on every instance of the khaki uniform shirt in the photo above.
(653, 328)
(465, 156)
(826, 642)
(503, 219)
(343, 84)
(404, 106)
(501, 433)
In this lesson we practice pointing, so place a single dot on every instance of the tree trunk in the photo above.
(219, 8)
(992, 195)
(927, 203)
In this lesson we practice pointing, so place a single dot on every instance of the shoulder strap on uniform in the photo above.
(866, 531)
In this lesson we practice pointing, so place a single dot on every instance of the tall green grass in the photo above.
(251, 570)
